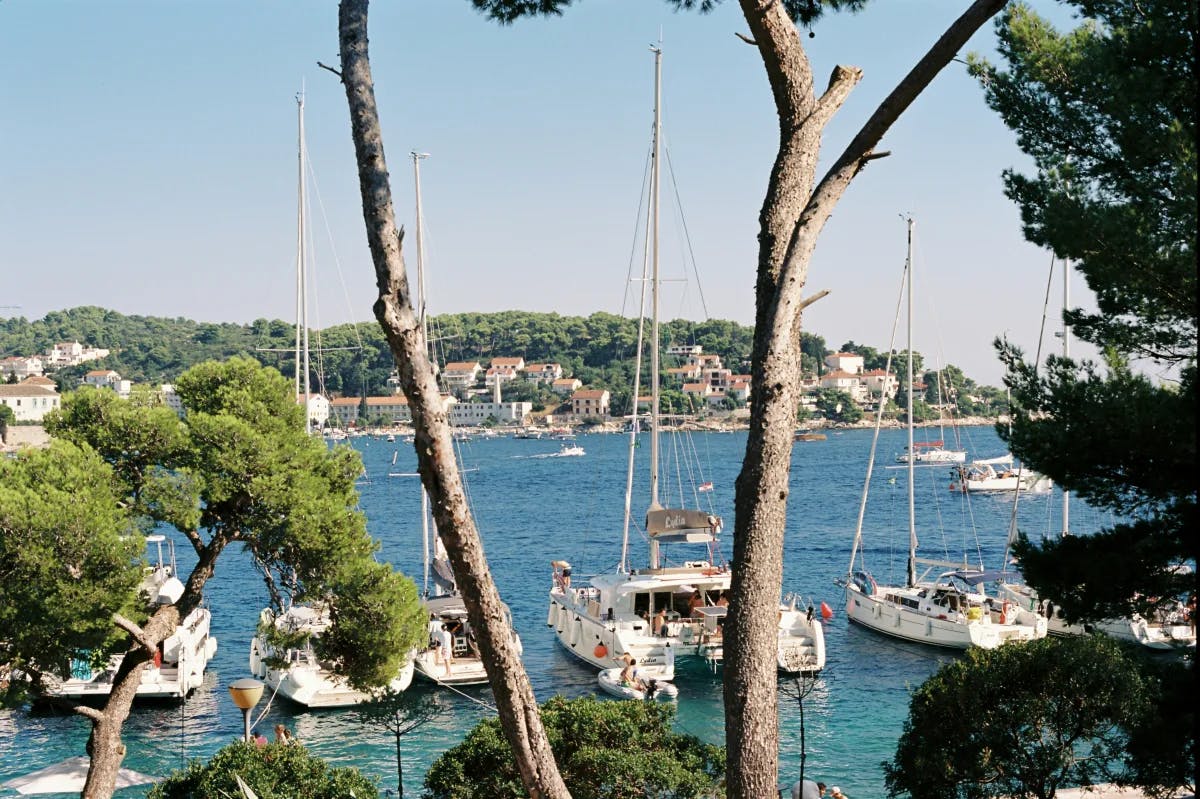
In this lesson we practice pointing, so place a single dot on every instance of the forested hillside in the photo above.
(598, 349)
(354, 360)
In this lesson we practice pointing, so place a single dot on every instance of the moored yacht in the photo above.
(451, 656)
(949, 611)
(931, 452)
(998, 476)
(179, 664)
(297, 672)
(659, 613)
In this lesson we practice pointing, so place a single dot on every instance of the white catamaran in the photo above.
(656, 614)
(949, 611)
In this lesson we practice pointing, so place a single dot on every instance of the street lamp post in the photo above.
(245, 693)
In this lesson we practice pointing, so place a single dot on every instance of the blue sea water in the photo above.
(532, 508)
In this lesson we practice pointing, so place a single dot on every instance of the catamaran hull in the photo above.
(600, 643)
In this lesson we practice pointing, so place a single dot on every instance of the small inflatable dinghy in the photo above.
(610, 681)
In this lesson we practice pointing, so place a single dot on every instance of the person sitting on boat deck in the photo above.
(562, 573)
(695, 601)
(629, 676)
(659, 622)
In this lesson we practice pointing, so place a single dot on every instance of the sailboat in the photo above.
(1170, 628)
(949, 611)
(451, 658)
(998, 476)
(296, 671)
(656, 614)
(179, 663)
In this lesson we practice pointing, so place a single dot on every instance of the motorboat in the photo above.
(178, 665)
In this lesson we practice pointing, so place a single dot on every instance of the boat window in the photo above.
(662, 599)
(641, 604)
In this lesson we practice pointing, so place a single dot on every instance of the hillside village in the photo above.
(474, 392)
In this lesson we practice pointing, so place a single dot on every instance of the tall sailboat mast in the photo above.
(912, 519)
(654, 286)
(303, 389)
(425, 537)
(1066, 334)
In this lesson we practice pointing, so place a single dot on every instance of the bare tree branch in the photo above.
(331, 69)
(137, 632)
(813, 298)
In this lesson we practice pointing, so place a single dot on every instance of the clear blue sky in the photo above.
(149, 164)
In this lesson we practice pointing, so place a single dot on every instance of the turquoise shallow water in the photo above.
(534, 509)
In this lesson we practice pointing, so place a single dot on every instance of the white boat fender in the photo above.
(576, 629)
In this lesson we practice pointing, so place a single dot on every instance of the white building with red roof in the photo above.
(590, 402)
(29, 401)
(845, 362)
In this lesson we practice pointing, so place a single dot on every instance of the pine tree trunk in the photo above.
(793, 213)
(104, 745)
(515, 702)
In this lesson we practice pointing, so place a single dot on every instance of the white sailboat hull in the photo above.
(1030, 484)
(303, 678)
(945, 629)
(935, 456)
(463, 671)
(1172, 632)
